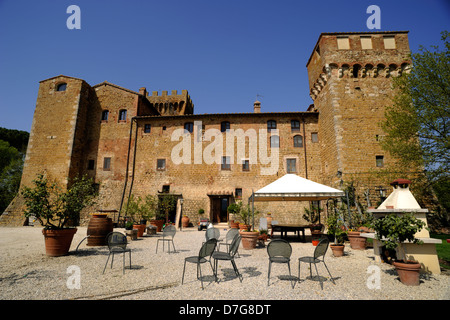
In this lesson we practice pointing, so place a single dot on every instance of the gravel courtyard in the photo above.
(26, 273)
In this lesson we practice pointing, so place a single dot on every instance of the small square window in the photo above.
(161, 164)
(105, 115)
(91, 164)
(314, 137)
(166, 188)
(380, 161)
(106, 164)
(123, 115)
(245, 165)
(226, 163)
(224, 126)
(61, 87)
(291, 165)
(274, 141)
(238, 193)
(147, 128)
(295, 125)
(271, 125)
(189, 127)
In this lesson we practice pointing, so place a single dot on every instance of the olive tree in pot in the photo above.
(336, 229)
(57, 210)
(394, 231)
(140, 210)
(249, 237)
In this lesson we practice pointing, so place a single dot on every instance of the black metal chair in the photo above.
(229, 239)
(167, 236)
(279, 251)
(117, 243)
(320, 251)
(228, 256)
(203, 256)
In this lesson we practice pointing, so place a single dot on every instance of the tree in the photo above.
(55, 208)
(417, 124)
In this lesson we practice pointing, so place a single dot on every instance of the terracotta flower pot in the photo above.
(249, 239)
(356, 241)
(408, 272)
(140, 228)
(234, 225)
(57, 242)
(315, 242)
(244, 226)
(158, 224)
(185, 221)
(337, 249)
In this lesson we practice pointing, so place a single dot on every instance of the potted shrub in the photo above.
(167, 202)
(336, 230)
(56, 209)
(394, 230)
(140, 210)
(130, 231)
(233, 210)
(263, 235)
(312, 216)
(248, 237)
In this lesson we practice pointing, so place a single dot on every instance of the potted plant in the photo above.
(233, 210)
(167, 202)
(312, 216)
(56, 209)
(263, 235)
(248, 237)
(336, 230)
(130, 231)
(394, 231)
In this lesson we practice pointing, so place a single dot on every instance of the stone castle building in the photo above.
(140, 142)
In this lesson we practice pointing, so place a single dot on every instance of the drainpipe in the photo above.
(304, 147)
(126, 174)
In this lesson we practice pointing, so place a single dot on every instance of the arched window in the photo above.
(61, 87)
(123, 115)
(105, 114)
(298, 141)
(189, 127)
(271, 125)
(274, 141)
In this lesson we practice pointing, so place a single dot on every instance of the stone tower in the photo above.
(58, 130)
(350, 82)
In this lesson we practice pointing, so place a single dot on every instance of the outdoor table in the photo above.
(285, 228)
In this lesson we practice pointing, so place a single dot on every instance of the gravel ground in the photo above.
(26, 273)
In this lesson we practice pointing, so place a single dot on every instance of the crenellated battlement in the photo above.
(357, 70)
(173, 103)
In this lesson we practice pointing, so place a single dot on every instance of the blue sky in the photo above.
(223, 52)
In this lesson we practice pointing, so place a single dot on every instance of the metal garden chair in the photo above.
(320, 251)
(228, 256)
(212, 233)
(279, 251)
(229, 238)
(117, 243)
(203, 256)
(167, 236)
